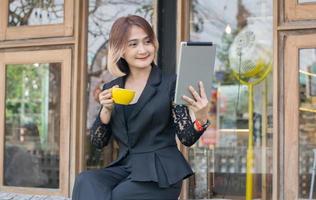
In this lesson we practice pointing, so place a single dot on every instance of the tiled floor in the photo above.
(13, 196)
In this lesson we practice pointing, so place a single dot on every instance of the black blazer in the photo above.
(148, 135)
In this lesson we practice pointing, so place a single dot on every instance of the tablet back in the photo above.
(196, 63)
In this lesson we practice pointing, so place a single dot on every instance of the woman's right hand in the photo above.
(105, 98)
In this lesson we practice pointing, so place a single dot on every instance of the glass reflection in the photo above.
(32, 118)
(242, 31)
(38, 12)
(101, 16)
(307, 116)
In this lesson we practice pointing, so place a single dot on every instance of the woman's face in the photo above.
(140, 51)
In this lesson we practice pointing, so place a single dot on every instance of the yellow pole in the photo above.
(249, 179)
(250, 153)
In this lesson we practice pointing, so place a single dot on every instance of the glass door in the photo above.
(299, 116)
(233, 158)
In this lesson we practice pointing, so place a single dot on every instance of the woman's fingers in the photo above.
(106, 94)
(199, 103)
(105, 97)
(202, 90)
(199, 98)
(194, 93)
(107, 102)
(188, 100)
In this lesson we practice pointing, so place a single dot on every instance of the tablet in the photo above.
(196, 63)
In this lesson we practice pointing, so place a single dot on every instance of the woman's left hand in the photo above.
(200, 104)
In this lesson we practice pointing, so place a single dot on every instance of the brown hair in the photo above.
(118, 42)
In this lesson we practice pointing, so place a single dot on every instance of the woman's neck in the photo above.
(136, 80)
(137, 74)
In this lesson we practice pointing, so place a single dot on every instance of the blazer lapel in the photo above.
(149, 90)
(118, 109)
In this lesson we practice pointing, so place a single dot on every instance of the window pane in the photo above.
(306, 1)
(242, 31)
(32, 122)
(101, 17)
(35, 12)
(307, 116)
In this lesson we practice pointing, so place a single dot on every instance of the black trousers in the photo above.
(114, 183)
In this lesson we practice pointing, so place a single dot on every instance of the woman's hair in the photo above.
(118, 42)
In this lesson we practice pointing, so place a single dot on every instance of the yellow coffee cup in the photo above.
(122, 96)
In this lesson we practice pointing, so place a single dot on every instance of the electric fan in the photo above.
(250, 57)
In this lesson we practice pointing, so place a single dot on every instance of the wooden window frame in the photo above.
(293, 44)
(37, 31)
(62, 56)
(295, 11)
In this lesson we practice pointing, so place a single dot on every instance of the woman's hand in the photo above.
(105, 98)
(200, 104)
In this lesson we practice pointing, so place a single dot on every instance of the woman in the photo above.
(149, 165)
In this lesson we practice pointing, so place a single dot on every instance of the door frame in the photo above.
(293, 43)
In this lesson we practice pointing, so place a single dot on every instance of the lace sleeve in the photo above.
(100, 133)
(184, 127)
